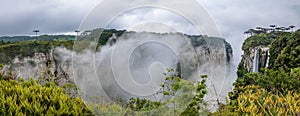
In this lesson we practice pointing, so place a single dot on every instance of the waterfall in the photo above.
(256, 61)
(268, 58)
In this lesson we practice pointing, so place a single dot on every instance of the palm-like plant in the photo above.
(287, 29)
(292, 27)
(36, 33)
(278, 29)
(247, 32)
(273, 26)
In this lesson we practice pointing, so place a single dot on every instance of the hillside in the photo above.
(26, 46)
(38, 38)
(276, 50)
(268, 76)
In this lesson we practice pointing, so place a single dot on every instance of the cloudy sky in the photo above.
(232, 17)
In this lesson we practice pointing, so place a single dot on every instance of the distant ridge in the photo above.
(41, 37)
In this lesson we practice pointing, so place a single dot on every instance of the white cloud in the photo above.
(157, 17)
(232, 17)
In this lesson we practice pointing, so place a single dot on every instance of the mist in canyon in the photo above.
(132, 65)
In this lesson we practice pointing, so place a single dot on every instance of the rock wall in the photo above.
(247, 60)
(53, 66)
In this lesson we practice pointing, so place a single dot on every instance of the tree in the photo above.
(278, 29)
(273, 27)
(259, 28)
(36, 33)
(292, 27)
(247, 33)
(287, 29)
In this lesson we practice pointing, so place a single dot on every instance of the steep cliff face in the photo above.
(257, 58)
(44, 66)
(256, 53)
(274, 50)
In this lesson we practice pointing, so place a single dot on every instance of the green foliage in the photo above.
(2, 42)
(273, 91)
(108, 109)
(30, 98)
(177, 98)
(19, 97)
(174, 85)
(258, 40)
(38, 38)
(277, 46)
(24, 49)
(24, 46)
(197, 105)
(274, 81)
(283, 49)
(258, 101)
(241, 70)
(289, 56)
(137, 104)
(180, 97)
(106, 34)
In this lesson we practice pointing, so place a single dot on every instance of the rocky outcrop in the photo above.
(52, 66)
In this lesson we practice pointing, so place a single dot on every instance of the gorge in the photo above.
(146, 55)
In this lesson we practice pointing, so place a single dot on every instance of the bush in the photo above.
(275, 81)
(30, 98)
(258, 101)
(27, 49)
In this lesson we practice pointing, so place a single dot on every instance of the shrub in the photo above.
(275, 81)
(258, 101)
(30, 98)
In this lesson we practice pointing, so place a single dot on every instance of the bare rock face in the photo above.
(53, 66)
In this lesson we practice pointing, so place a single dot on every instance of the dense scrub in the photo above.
(27, 49)
(39, 38)
(30, 98)
(19, 97)
(284, 49)
(255, 100)
(258, 40)
(273, 81)
(288, 50)
(26, 46)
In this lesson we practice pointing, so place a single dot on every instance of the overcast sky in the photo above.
(232, 17)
